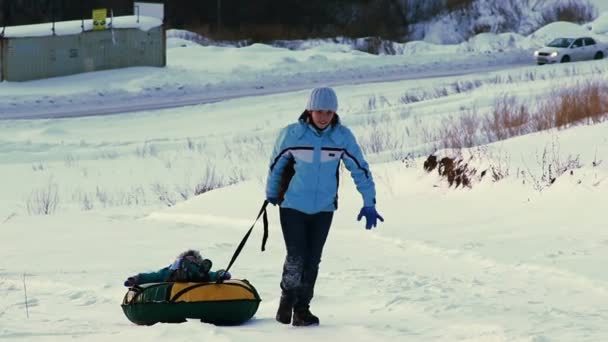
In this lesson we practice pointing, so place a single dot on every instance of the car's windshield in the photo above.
(561, 42)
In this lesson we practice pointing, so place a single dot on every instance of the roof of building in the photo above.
(78, 26)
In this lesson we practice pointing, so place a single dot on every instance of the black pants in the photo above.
(305, 237)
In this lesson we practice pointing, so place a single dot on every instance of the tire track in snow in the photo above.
(488, 263)
(444, 286)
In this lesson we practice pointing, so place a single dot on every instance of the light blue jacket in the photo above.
(315, 156)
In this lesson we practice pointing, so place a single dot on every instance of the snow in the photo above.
(501, 261)
(77, 26)
(558, 29)
(600, 25)
(522, 17)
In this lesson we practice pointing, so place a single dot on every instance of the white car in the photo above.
(563, 50)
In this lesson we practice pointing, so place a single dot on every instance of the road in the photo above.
(131, 103)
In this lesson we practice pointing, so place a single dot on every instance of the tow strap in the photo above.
(244, 240)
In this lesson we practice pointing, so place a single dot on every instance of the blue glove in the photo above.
(273, 200)
(371, 217)
(131, 281)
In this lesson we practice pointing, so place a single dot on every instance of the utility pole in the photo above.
(219, 15)
(53, 15)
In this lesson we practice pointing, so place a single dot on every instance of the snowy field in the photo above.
(519, 259)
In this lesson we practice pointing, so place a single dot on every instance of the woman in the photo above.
(303, 180)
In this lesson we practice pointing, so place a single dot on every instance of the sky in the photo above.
(517, 259)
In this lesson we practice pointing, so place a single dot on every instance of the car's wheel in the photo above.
(540, 63)
(565, 59)
(598, 55)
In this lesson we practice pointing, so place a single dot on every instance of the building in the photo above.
(63, 48)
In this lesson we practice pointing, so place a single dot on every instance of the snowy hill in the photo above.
(522, 17)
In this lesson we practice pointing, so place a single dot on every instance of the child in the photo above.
(189, 266)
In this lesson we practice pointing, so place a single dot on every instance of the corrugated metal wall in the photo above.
(29, 58)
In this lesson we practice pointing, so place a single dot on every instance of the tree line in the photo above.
(247, 19)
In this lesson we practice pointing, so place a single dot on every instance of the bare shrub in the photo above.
(375, 102)
(43, 201)
(596, 162)
(70, 160)
(163, 194)
(102, 196)
(469, 123)
(453, 169)
(508, 118)
(238, 175)
(441, 92)
(135, 196)
(409, 98)
(500, 168)
(567, 110)
(378, 140)
(38, 167)
(581, 103)
(544, 118)
(575, 11)
(552, 166)
(107, 155)
(87, 203)
(190, 144)
(449, 133)
(409, 160)
(419, 95)
(148, 149)
(184, 191)
(209, 181)
(380, 135)
(465, 86)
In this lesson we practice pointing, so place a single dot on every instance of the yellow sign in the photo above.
(99, 19)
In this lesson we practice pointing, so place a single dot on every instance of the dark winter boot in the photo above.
(285, 308)
(303, 318)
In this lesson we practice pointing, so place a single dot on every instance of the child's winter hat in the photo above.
(192, 253)
(322, 98)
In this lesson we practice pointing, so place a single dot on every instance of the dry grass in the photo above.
(508, 118)
(580, 104)
(586, 103)
(43, 200)
(461, 133)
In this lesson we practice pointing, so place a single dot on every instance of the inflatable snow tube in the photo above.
(232, 302)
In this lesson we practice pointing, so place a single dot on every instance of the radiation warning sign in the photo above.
(99, 19)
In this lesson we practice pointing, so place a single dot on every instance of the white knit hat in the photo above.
(323, 98)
